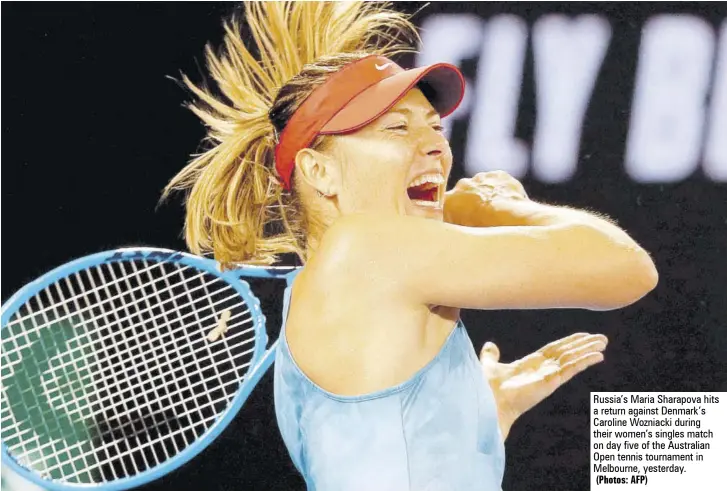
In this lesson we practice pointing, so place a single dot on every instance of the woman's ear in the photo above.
(318, 170)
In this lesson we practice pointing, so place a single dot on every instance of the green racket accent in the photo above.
(48, 386)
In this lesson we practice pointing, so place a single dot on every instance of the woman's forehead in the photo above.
(414, 102)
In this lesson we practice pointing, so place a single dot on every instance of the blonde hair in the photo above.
(236, 207)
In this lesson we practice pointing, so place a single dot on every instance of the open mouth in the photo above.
(426, 190)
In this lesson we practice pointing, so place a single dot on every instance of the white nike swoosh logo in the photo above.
(382, 67)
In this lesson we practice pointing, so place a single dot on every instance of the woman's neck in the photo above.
(317, 226)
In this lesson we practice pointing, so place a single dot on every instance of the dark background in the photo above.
(93, 129)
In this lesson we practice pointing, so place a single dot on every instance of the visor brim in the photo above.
(442, 84)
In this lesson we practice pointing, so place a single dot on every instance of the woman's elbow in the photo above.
(622, 272)
(647, 273)
(632, 278)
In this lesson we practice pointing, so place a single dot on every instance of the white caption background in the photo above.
(662, 440)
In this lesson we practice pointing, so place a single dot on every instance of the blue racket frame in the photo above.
(261, 360)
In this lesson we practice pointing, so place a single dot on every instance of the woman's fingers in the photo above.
(564, 350)
(490, 353)
(580, 351)
(574, 341)
(499, 183)
(553, 347)
(576, 366)
(585, 340)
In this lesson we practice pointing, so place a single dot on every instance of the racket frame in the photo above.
(260, 362)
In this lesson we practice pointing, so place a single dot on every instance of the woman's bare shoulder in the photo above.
(353, 250)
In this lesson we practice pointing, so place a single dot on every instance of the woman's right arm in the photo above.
(569, 259)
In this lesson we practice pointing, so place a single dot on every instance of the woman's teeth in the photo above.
(427, 178)
(425, 190)
(426, 204)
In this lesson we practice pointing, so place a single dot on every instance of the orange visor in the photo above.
(356, 95)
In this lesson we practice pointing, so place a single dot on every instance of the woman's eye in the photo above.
(438, 127)
(398, 127)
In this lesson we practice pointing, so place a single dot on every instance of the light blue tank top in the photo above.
(437, 431)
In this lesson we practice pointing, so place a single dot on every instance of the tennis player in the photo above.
(322, 146)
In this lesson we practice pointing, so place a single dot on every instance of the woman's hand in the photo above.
(520, 385)
(479, 201)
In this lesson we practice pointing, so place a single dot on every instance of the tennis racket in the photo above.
(119, 367)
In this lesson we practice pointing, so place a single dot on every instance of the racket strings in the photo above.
(74, 297)
(144, 344)
(104, 446)
(116, 302)
(57, 391)
(110, 371)
(167, 323)
(147, 343)
(176, 394)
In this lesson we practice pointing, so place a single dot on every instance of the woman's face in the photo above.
(398, 163)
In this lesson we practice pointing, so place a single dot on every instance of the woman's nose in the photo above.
(431, 142)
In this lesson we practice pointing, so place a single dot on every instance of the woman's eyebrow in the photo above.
(408, 112)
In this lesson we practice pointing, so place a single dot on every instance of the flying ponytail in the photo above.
(236, 207)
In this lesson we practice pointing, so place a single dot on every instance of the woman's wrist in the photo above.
(505, 422)
(473, 211)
